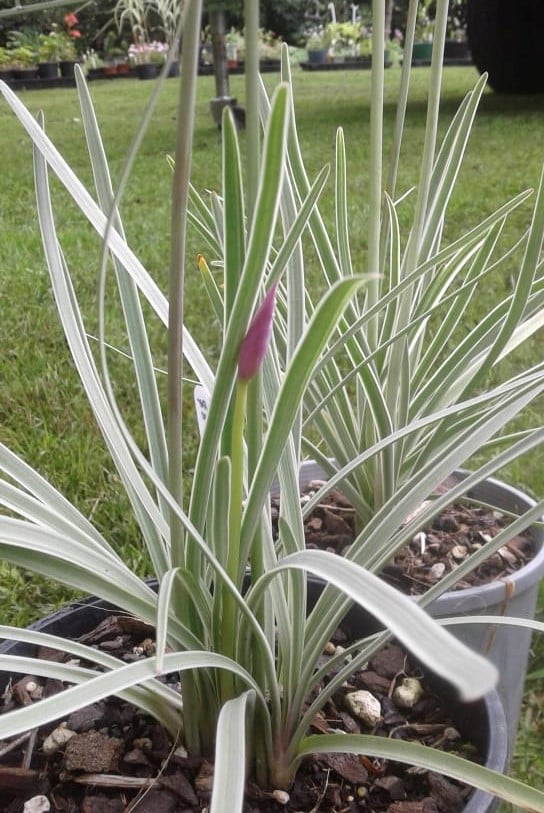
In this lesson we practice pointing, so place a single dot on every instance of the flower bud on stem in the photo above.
(252, 351)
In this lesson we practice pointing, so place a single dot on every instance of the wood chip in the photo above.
(347, 766)
(19, 779)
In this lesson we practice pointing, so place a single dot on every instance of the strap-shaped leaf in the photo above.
(470, 673)
(103, 685)
(230, 754)
(98, 221)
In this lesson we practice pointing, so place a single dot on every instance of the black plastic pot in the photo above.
(318, 56)
(48, 70)
(67, 68)
(456, 53)
(483, 722)
(147, 71)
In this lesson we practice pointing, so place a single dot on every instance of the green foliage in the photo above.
(92, 18)
(22, 57)
(283, 17)
(4, 57)
(134, 15)
(55, 47)
(252, 656)
(147, 20)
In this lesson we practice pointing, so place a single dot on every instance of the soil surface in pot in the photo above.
(438, 549)
(116, 759)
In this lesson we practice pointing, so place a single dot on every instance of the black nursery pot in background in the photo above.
(147, 71)
(48, 70)
(67, 68)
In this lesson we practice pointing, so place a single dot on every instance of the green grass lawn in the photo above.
(37, 382)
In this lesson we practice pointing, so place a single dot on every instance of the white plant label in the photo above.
(202, 405)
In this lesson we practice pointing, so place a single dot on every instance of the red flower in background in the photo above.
(70, 20)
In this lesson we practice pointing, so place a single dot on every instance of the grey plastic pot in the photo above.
(483, 721)
(514, 596)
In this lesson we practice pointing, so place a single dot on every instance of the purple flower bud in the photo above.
(257, 338)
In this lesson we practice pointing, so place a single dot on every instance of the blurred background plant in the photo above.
(22, 57)
(318, 38)
(60, 43)
(153, 52)
(345, 38)
(269, 45)
(424, 30)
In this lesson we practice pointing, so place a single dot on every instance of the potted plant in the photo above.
(337, 419)
(423, 37)
(234, 46)
(92, 63)
(147, 58)
(456, 49)
(269, 50)
(206, 49)
(56, 50)
(365, 50)
(48, 56)
(394, 48)
(317, 45)
(23, 62)
(494, 617)
(249, 655)
(66, 49)
(344, 39)
(382, 427)
(169, 14)
(114, 56)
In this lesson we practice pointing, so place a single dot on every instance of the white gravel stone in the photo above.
(437, 571)
(57, 739)
(459, 552)
(407, 694)
(38, 804)
(280, 796)
(363, 705)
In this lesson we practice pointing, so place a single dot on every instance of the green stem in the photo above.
(254, 434)
(237, 478)
(228, 636)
